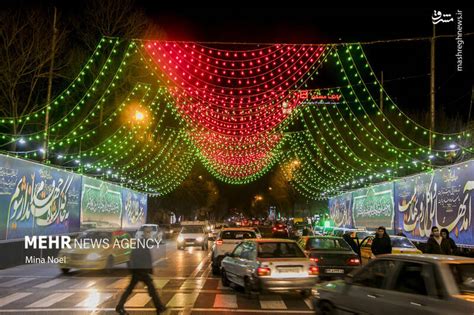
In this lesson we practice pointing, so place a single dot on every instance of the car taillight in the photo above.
(274, 229)
(353, 262)
(263, 271)
(313, 270)
(219, 242)
(314, 259)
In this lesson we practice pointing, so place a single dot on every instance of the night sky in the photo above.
(405, 65)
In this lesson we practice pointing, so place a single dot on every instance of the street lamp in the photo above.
(139, 116)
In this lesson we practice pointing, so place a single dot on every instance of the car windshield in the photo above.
(402, 242)
(279, 250)
(192, 229)
(464, 277)
(96, 235)
(237, 235)
(327, 244)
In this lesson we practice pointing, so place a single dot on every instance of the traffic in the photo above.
(340, 270)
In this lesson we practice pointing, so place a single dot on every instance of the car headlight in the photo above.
(93, 256)
(199, 239)
(180, 239)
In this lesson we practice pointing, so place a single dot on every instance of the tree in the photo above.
(25, 51)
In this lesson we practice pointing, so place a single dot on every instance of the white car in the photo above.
(226, 241)
(192, 235)
(156, 232)
(269, 264)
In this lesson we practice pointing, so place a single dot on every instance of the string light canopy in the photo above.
(239, 110)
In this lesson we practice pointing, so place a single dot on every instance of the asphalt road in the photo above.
(183, 280)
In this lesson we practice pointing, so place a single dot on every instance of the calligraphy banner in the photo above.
(101, 204)
(135, 209)
(340, 210)
(442, 198)
(373, 207)
(36, 199)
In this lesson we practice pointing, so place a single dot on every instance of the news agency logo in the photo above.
(439, 17)
(66, 242)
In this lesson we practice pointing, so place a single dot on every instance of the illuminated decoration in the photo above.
(140, 113)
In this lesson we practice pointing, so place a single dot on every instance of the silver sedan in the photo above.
(270, 265)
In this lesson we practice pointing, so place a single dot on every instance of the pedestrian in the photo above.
(381, 244)
(452, 248)
(141, 268)
(436, 243)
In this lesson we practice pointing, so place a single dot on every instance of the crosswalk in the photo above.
(96, 294)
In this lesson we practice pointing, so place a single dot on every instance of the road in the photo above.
(183, 279)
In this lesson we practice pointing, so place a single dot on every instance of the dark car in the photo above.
(280, 230)
(332, 255)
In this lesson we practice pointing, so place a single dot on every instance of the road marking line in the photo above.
(273, 302)
(84, 284)
(49, 284)
(119, 284)
(150, 309)
(159, 284)
(138, 300)
(12, 298)
(197, 283)
(309, 303)
(183, 300)
(200, 266)
(225, 301)
(15, 282)
(94, 299)
(50, 300)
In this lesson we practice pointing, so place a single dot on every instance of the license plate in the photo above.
(189, 243)
(334, 270)
(288, 270)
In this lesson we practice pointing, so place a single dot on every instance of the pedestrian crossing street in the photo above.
(205, 294)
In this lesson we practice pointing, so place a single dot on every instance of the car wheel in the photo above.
(248, 288)
(225, 281)
(65, 270)
(325, 308)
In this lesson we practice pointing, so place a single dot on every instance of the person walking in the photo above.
(141, 268)
(436, 243)
(381, 243)
(452, 249)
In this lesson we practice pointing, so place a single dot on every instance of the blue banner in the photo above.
(442, 198)
(36, 199)
(135, 209)
(340, 210)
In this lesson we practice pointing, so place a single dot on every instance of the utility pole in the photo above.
(50, 86)
(381, 91)
(432, 87)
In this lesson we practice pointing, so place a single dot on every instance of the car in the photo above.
(400, 245)
(98, 256)
(299, 227)
(280, 230)
(270, 265)
(156, 232)
(226, 241)
(192, 235)
(334, 257)
(402, 284)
